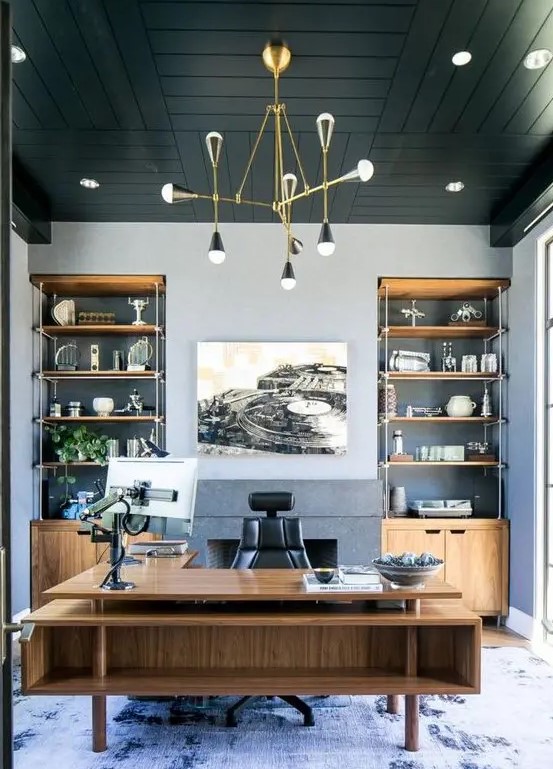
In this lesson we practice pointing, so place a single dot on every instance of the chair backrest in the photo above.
(271, 543)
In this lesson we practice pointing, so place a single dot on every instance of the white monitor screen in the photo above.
(168, 474)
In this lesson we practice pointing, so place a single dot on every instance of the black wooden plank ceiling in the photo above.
(124, 91)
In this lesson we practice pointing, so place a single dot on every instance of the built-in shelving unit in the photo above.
(96, 294)
(440, 298)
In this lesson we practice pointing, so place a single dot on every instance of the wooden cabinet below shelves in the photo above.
(475, 551)
(58, 553)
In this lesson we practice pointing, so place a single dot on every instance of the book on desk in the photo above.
(312, 585)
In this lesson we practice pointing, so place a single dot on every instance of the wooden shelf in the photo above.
(442, 288)
(483, 420)
(100, 329)
(437, 375)
(56, 420)
(442, 463)
(440, 332)
(98, 374)
(207, 681)
(99, 285)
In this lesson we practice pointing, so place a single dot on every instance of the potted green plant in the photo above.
(78, 444)
(75, 444)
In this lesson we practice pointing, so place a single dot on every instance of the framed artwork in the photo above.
(272, 397)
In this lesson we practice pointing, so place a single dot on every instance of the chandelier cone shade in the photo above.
(216, 251)
(288, 187)
(173, 193)
(288, 279)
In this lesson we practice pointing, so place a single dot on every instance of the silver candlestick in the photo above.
(139, 307)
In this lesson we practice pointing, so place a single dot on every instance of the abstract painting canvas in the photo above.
(275, 397)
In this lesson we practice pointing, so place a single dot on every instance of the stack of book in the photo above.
(361, 579)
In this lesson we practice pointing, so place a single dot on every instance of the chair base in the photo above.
(292, 700)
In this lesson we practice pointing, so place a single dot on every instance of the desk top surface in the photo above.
(168, 580)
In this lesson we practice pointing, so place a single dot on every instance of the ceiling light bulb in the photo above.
(461, 58)
(365, 169)
(167, 193)
(214, 142)
(326, 244)
(90, 184)
(538, 59)
(18, 54)
(455, 186)
(216, 251)
(325, 127)
(289, 184)
(288, 279)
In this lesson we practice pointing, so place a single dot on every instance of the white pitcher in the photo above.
(460, 406)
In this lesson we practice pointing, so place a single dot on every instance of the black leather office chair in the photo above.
(271, 543)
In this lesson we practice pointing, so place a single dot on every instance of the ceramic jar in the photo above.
(103, 406)
(460, 406)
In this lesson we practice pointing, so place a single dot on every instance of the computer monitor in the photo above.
(170, 514)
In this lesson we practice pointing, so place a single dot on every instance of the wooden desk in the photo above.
(208, 631)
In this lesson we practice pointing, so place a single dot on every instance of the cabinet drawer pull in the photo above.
(432, 531)
(458, 531)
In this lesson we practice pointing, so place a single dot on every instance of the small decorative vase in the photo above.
(460, 406)
(103, 406)
(387, 400)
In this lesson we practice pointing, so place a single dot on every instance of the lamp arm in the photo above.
(269, 109)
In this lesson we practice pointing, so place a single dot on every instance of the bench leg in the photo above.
(392, 703)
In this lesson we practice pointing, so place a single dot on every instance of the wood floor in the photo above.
(492, 636)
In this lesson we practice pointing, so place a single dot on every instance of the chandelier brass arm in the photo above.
(276, 57)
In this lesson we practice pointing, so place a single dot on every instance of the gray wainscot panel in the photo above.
(348, 511)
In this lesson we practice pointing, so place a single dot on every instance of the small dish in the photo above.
(324, 574)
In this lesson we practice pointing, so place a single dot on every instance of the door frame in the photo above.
(5, 238)
(543, 276)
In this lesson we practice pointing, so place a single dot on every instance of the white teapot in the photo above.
(460, 406)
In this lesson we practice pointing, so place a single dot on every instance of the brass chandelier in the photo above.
(276, 57)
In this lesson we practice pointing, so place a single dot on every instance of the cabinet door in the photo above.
(58, 554)
(417, 541)
(474, 564)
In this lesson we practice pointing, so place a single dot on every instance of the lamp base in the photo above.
(276, 57)
(119, 586)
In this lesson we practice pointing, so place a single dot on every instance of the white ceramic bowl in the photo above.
(103, 406)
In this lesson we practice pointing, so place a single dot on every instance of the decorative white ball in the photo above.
(103, 406)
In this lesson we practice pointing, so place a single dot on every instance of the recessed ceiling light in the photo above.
(18, 54)
(461, 58)
(90, 184)
(455, 186)
(538, 59)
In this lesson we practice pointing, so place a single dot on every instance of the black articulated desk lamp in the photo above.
(142, 494)
(271, 543)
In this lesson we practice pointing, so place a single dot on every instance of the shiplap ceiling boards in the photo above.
(124, 91)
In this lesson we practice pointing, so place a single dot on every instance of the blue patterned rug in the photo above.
(508, 726)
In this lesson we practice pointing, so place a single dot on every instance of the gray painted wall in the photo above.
(21, 434)
(334, 300)
(522, 414)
